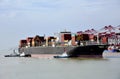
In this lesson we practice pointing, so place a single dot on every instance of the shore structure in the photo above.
(89, 42)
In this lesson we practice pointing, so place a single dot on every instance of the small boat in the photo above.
(64, 55)
(17, 55)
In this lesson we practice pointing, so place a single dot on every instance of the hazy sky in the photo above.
(22, 18)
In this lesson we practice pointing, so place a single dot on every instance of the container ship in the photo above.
(73, 44)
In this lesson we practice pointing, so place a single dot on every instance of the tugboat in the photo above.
(14, 54)
(64, 55)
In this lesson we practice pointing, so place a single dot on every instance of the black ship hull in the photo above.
(90, 50)
(72, 51)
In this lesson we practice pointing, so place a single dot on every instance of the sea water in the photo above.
(66, 68)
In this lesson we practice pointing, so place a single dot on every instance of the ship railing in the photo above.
(91, 43)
